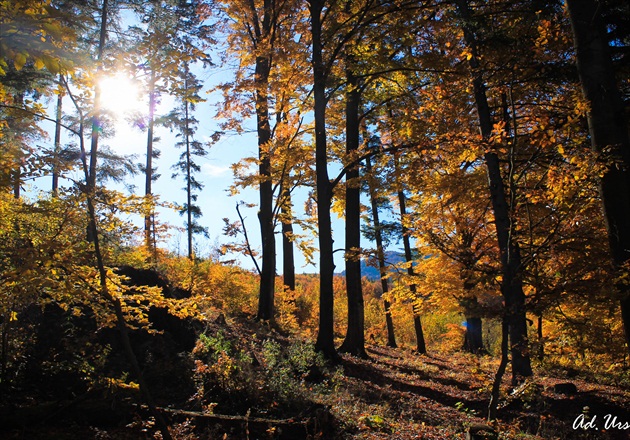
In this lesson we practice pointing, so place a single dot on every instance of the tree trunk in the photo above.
(421, 346)
(417, 323)
(265, 213)
(189, 195)
(608, 128)
(473, 338)
(148, 218)
(498, 378)
(380, 253)
(325, 336)
(354, 342)
(57, 145)
(541, 342)
(288, 257)
(511, 283)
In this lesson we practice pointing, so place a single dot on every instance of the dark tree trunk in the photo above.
(325, 336)
(148, 172)
(189, 195)
(511, 284)
(608, 129)
(498, 378)
(354, 342)
(421, 346)
(57, 145)
(541, 341)
(417, 323)
(288, 258)
(473, 338)
(380, 253)
(265, 213)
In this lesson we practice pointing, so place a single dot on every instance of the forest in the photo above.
(475, 153)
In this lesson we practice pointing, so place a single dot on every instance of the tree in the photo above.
(608, 129)
(354, 342)
(185, 122)
(511, 284)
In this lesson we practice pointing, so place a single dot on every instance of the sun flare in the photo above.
(120, 95)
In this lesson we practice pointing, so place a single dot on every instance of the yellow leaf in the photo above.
(19, 61)
(13, 317)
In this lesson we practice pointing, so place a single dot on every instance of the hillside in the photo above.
(265, 384)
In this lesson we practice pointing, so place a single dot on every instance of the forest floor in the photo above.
(395, 394)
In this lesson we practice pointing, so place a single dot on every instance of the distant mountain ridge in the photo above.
(369, 268)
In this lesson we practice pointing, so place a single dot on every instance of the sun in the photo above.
(120, 95)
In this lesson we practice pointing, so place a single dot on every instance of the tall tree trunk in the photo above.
(148, 219)
(608, 128)
(288, 257)
(417, 322)
(325, 336)
(511, 283)
(189, 195)
(96, 120)
(380, 254)
(57, 144)
(265, 213)
(354, 342)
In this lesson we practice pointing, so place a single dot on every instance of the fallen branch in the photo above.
(313, 426)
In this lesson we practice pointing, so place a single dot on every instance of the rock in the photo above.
(565, 388)
(480, 431)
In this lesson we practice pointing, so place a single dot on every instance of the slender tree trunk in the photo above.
(288, 257)
(18, 101)
(608, 128)
(265, 213)
(354, 342)
(511, 284)
(380, 253)
(189, 195)
(57, 145)
(148, 219)
(498, 378)
(541, 342)
(325, 336)
(417, 323)
(4, 357)
(96, 121)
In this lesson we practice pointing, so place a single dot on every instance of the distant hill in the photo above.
(369, 268)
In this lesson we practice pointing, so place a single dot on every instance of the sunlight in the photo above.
(120, 95)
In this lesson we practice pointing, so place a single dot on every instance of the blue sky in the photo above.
(214, 200)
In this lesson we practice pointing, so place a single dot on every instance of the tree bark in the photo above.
(325, 336)
(608, 128)
(511, 283)
(354, 342)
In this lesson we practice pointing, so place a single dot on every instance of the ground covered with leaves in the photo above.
(248, 380)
